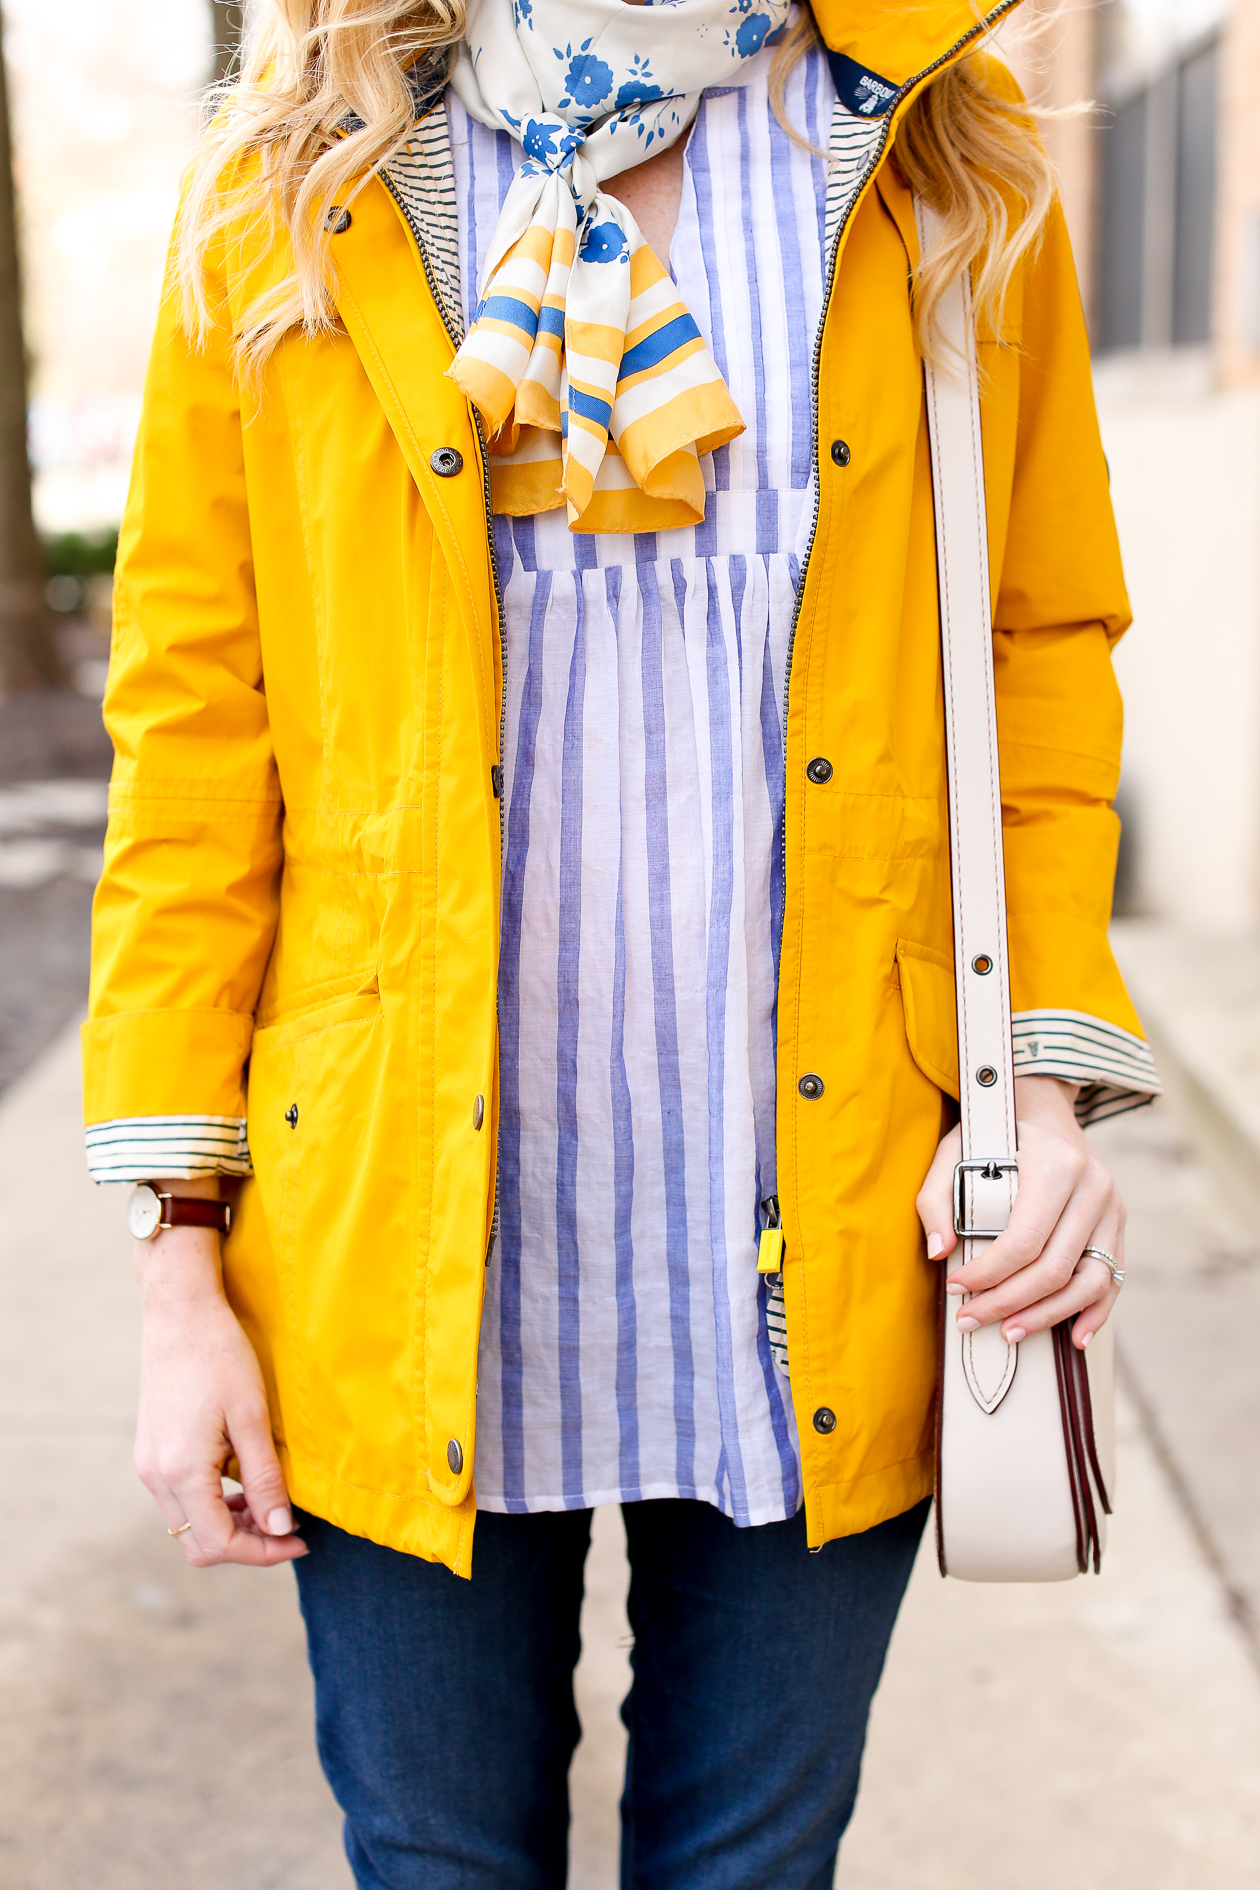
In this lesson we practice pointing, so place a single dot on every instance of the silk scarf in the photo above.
(594, 383)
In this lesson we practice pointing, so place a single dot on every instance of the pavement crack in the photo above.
(1237, 1602)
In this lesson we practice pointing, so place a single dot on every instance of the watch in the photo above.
(149, 1212)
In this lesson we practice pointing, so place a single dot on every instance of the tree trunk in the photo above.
(27, 652)
(229, 23)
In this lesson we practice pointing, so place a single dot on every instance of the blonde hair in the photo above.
(975, 155)
(323, 100)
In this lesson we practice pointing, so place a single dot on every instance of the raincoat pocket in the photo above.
(927, 996)
(334, 1167)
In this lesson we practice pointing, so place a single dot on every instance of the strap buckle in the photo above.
(992, 1168)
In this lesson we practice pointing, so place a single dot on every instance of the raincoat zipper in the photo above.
(877, 158)
(440, 304)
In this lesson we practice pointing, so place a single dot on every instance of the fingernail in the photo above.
(935, 1243)
(280, 1522)
(1014, 1334)
(954, 1286)
(1085, 1341)
(967, 1324)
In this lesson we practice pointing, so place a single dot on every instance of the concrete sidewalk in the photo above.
(155, 1721)
(1199, 1000)
(1192, 1322)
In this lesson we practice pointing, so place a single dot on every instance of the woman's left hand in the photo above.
(1034, 1275)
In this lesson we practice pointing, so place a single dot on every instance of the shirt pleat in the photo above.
(625, 1351)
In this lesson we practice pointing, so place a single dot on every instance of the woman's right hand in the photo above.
(201, 1400)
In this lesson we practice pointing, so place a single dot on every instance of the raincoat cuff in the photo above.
(166, 1087)
(167, 1148)
(1114, 1067)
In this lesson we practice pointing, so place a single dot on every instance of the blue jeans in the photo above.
(445, 1709)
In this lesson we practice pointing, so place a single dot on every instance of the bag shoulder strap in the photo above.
(986, 1073)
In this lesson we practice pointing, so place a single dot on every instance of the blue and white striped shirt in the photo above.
(624, 1350)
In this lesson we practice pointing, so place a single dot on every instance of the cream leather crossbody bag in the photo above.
(1025, 1433)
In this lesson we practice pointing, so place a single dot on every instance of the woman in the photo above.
(528, 863)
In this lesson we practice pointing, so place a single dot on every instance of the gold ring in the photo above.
(180, 1530)
(1109, 1260)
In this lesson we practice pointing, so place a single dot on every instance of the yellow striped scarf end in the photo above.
(629, 510)
(490, 390)
(686, 351)
(518, 491)
(685, 428)
(537, 406)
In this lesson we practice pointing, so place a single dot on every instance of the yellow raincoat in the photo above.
(298, 921)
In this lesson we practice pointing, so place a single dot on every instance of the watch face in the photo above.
(144, 1211)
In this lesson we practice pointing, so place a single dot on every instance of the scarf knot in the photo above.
(549, 144)
(595, 384)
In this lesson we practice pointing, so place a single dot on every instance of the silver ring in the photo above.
(1109, 1261)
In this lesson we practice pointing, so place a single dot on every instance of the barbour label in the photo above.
(860, 90)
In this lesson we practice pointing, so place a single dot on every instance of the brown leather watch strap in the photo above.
(184, 1210)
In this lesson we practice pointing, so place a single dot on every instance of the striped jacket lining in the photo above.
(175, 1148)
(423, 175)
(1116, 1068)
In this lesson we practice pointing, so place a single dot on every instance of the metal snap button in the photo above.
(982, 964)
(479, 1111)
(840, 452)
(455, 1456)
(820, 770)
(290, 1115)
(811, 1087)
(338, 220)
(986, 1076)
(446, 462)
(824, 1420)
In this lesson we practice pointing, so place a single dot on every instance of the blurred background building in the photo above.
(105, 107)
(1162, 189)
